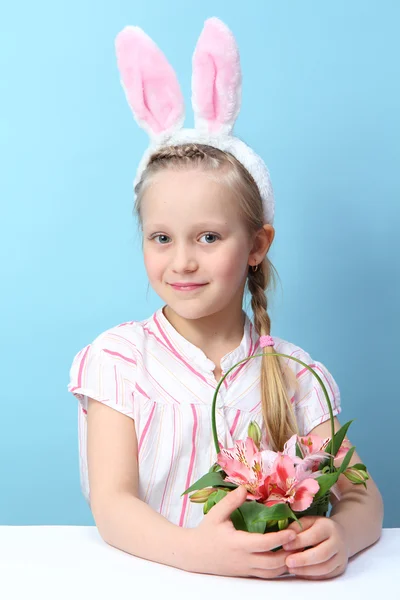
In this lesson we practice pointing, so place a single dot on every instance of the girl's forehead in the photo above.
(190, 194)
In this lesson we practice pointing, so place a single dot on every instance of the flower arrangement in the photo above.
(281, 486)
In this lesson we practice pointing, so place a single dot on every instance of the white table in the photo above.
(74, 562)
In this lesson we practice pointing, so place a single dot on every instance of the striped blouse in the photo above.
(149, 372)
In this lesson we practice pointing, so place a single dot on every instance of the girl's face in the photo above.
(196, 247)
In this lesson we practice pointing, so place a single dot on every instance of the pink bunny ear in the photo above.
(216, 79)
(150, 83)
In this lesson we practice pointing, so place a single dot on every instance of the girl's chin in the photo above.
(193, 308)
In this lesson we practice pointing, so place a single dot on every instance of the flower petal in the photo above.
(290, 447)
(268, 458)
(304, 494)
(284, 469)
(312, 443)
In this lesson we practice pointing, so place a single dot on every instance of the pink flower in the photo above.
(243, 465)
(288, 483)
(312, 448)
(310, 444)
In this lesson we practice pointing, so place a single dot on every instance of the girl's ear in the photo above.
(150, 83)
(261, 244)
(216, 79)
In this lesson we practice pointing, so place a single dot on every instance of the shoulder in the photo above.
(123, 336)
(291, 350)
(117, 344)
(298, 363)
(306, 392)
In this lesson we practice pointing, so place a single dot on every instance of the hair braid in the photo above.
(188, 152)
(278, 413)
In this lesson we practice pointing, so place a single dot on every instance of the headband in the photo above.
(155, 98)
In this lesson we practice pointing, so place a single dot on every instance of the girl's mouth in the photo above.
(187, 287)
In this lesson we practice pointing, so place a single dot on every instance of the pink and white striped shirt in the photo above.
(149, 372)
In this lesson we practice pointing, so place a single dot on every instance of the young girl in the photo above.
(205, 205)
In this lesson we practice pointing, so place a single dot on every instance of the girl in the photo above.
(205, 206)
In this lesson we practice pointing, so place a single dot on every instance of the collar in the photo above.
(172, 338)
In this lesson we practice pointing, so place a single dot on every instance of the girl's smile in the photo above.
(187, 287)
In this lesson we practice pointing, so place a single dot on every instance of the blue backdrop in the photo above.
(321, 102)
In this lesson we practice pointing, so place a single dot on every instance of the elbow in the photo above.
(102, 509)
(110, 512)
(380, 510)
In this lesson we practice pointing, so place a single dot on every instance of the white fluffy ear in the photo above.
(216, 79)
(150, 83)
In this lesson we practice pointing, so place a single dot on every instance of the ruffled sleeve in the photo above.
(105, 371)
(308, 398)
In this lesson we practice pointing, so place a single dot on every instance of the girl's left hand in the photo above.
(329, 554)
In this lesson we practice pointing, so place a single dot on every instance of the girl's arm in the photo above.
(123, 520)
(131, 525)
(360, 510)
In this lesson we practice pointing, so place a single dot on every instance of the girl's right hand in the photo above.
(217, 548)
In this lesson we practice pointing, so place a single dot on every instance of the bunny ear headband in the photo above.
(154, 95)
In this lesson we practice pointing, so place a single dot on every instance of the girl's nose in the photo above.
(184, 260)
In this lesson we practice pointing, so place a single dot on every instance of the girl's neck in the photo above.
(216, 335)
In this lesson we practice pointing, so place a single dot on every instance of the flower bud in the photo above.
(254, 432)
(215, 468)
(271, 523)
(283, 523)
(201, 495)
(356, 476)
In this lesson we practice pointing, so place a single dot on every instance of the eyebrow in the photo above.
(205, 226)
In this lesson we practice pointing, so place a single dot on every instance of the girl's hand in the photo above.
(216, 547)
(329, 554)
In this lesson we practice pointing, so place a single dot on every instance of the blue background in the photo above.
(321, 102)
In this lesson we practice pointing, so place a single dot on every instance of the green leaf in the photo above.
(238, 520)
(325, 483)
(299, 453)
(213, 499)
(275, 513)
(250, 511)
(338, 439)
(346, 460)
(210, 480)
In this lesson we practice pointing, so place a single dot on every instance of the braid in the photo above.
(188, 152)
(278, 413)
(257, 283)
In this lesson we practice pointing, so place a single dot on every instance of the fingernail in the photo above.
(288, 546)
(292, 537)
(291, 563)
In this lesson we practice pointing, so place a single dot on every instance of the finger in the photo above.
(270, 560)
(309, 537)
(224, 508)
(268, 573)
(314, 556)
(331, 575)
(264, 542)
(322, 569)
(306, 523)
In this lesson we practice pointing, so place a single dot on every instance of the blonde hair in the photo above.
(278, 413)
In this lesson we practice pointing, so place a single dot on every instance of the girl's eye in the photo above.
(210, 237)
(163, 239)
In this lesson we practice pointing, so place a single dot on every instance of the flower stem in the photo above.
(214, 402)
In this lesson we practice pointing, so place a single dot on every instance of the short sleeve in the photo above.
(309, 401)
(105, 371)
